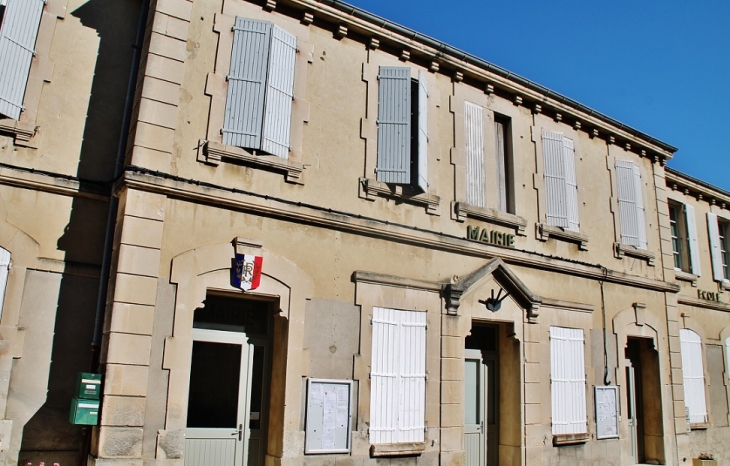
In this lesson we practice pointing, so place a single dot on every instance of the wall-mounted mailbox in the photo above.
(84, 412)
(88, 386)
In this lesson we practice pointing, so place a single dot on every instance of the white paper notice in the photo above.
(315, 395)
(329, 422)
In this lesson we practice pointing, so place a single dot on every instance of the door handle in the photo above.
(238, 432)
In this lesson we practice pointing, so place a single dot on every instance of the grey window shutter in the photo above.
(571, 185)
(247, 83)
(18, 34)
(714, 231)
(694, 248)
(640, 210)
(422, 132)
(627, 203)
(476, 189)
(394, 125)
(279, 93)
(555, 181)
(501, 167)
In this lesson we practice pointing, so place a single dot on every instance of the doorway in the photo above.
(481, 396)
(643, 402)
(230, 373)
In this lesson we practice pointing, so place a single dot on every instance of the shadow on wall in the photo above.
(48, 436)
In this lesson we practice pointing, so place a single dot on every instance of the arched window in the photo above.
(694, 376)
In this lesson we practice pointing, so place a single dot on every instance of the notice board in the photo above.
(606, 412)
(329, 416)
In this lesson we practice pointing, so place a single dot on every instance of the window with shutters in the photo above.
(397, 376)
(683, 230)
(504, 175)
(567, 381)
(694, 375)
(631, 204)
(719, 231)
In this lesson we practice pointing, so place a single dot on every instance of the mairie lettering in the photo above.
(497, 238)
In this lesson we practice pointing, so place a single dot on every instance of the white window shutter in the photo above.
(394, 125)
(694, 248)
(627, 203)
(554, 167)
(640, 209)
(476, 189)
(694, 375)
(568, 382)
(422, 132)
(727, 356)
(279, 93)
(501, 152)
(247, 83)
(571, 185)
(384, 377)
(18, 35)
(4, 269)
(714, 231)
(412, 399)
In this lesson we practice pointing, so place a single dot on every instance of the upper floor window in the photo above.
(719, 229)
(505, 196)
(561, 186)
(18, 32)
(631, 204)
(683, 231)
(260, 87)
(402, 128)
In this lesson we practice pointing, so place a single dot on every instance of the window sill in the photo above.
(22, 132)
(725, 285)
(545, 231)
(699, 426)
(621, 250)
(369, 189)
(214, 152)
(462, 210)
(570, 439)
(397, 449)
(685, 276)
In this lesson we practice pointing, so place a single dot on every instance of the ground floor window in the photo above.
(568, 381)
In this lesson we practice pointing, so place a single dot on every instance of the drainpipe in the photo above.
(114, 201)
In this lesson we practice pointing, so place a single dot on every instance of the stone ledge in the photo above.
(545, 231)
(686, 277)
(620, 250)
(462, 210)
(214, 153)
(22, 132)
(370, 188)
(397, 449)
(570, 439)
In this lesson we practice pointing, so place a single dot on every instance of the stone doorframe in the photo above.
(637, 322)
(209, 268)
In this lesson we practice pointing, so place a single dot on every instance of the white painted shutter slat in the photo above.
(714, 230)
(422, 132)
(476, 189)
(384, 379)
(501, 167)
(640, 209)
(567, 375)
(694, 248)
(18, 35)
(411, 409)
(394, 125)
(571, 185)
(693, 374)
(554, 168)
(4, 269)
(727, 356)
(247, 83)
(627, 203)
(279, 93)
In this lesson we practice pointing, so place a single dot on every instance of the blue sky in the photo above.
(662, 67)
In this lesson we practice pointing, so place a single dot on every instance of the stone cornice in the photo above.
(697, 188)
(696, 302)
(53, 183)
(197, 192)
(360, 276)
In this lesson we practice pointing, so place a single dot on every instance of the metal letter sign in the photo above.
(246, 271)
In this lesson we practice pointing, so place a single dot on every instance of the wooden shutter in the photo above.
(715, 247)
(499, 137)
(279, 93)
(727, 357)
(18, 35)
(554, 167)
(4, 269)
(627, 203)
(571, 185)
(694, 375)
(247, 83)
(568, 381)
(394, 125)
(640, 210)
(693, 243)
(476, 189)
(398, 376)
(422, 132)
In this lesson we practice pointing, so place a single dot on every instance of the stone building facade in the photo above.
(488, 272)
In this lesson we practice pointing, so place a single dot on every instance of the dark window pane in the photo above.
(257, 387)
(214, 382)
(233, 315)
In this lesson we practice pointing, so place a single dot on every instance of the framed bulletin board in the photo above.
(329, 416)
(606, 412)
